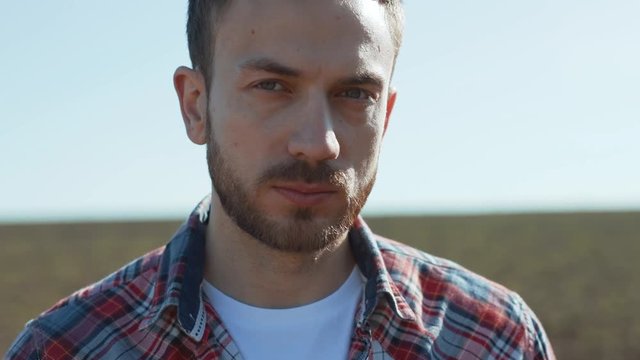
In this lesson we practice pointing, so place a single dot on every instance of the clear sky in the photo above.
(503, 106)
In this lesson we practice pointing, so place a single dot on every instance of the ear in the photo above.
(191, 90)
(391, 102)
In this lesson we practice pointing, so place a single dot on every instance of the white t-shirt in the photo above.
(320, 330)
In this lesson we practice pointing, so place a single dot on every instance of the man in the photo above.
(292, 99)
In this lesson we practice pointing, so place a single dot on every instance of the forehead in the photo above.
(313, 35)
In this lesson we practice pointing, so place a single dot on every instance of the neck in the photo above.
(256, 274)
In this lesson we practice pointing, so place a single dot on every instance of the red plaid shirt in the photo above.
(414, 306)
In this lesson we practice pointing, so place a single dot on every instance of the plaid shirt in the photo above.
(414, 306)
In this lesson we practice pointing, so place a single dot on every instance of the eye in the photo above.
(357, 94)
(270, 85)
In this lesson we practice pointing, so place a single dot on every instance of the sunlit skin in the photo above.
(293, 80)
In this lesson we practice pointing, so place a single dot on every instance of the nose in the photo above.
(314, 140)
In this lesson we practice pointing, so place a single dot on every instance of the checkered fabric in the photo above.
(414, 306)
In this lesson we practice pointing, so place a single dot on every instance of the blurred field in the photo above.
(579, 272)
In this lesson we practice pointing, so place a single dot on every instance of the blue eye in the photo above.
(270, 86)
(357, 94)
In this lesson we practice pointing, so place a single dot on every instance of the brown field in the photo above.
(579, 272)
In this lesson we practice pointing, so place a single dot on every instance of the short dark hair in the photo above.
(203, 16)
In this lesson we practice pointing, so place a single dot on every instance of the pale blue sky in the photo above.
(503, 106)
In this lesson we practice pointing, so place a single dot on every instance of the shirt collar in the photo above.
(181, 270)
(180, 273)
(380, 289)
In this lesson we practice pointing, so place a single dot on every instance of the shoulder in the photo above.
(461, 309)
(408, 265)
(116, 299)
(136, 277)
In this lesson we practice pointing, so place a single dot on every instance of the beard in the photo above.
(302, 232)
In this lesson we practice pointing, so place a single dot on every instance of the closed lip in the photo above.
(305, 194)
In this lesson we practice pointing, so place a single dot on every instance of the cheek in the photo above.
(247, 121)
(364, 149)
(232, 124)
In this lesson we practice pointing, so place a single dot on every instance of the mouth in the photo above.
(305, 194)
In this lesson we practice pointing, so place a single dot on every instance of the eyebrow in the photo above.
(268, 65)
(363, 78)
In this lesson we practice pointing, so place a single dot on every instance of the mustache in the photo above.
(299, 170)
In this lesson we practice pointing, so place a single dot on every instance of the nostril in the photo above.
(333, 144)
(315, 147)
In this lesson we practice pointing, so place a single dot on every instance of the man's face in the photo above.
(297, 108)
